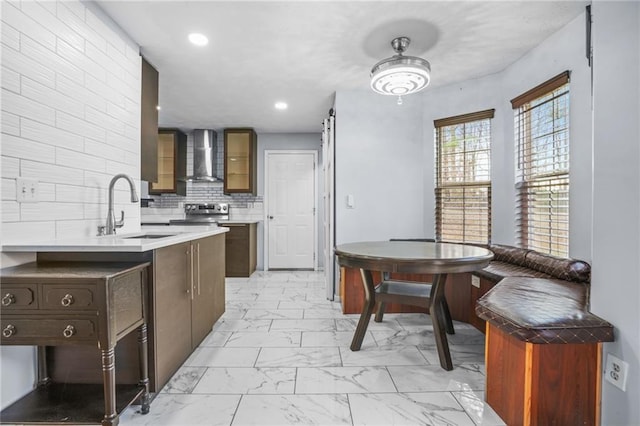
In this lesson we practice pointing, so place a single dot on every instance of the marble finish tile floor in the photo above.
(280, 356)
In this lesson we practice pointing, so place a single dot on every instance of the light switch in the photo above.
(27, 190)
(350, 203)
(475, 281)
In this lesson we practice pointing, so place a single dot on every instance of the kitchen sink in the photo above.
(150, 236)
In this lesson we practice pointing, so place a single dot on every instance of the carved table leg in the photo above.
(109, 383)
(439, 321)
(367, 310)
(144, 368)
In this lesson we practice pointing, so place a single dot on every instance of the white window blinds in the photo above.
(463, 178)
(541, 120)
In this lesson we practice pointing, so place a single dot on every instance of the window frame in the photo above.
(442, 187)
(543, 182)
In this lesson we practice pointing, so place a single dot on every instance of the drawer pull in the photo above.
(9, 331)
(69, 331)
(8, 299)
(67, 300)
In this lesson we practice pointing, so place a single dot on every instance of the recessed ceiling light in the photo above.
(281, 105)
(198, 39)
(158, 107)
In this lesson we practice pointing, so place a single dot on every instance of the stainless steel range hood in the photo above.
(205, 156)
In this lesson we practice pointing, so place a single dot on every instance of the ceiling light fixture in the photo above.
(400, 75)
(281, 105)
(198, 39)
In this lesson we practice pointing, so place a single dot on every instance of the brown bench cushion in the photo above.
(539, 310)
(563, 269)
(509, 254)
(497, 270)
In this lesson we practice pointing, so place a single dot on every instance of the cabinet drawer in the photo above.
(67, 297)
(237, 232)
(18, 297)
(21, 330)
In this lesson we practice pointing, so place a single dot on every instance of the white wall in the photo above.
(379, 160)
(70, 120)
(615, 290)
(291, 141)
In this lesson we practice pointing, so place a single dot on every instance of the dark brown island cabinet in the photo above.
(77, 305)
(241, 250)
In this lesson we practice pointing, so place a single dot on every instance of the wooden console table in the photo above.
(75, 303)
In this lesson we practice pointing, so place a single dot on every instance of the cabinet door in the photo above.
(208, 286)
(240, 156)
(171, 163)
(171, 310)
(237, 260)
(149, 123)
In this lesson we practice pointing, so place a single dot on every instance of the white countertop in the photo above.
(120, 242)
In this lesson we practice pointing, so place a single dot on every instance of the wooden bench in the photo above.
(543, 351)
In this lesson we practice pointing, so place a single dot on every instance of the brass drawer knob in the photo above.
(67, 300)
(9, 331)
(69, 331)
(8, 299)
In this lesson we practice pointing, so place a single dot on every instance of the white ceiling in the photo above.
(302, 52)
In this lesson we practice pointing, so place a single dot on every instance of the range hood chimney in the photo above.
(205, 155)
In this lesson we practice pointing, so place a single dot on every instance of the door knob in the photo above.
(270, 217)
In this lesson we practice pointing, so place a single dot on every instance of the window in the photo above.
(463, 178)
(541, 118)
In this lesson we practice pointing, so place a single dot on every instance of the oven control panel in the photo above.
(207, 209)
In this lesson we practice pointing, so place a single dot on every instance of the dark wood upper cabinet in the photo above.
(149, 123)
(171, 163)
(240, 161)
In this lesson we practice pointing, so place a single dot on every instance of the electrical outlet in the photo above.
(616, 371)
(27, 190)
(475, 281)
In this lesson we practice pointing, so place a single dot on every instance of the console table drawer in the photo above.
(67, 297)
(36, 331)
(19, 297)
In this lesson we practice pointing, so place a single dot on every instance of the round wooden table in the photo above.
(411, 257)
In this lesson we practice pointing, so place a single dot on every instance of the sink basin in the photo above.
(149, 236)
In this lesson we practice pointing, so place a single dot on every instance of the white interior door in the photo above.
(291, 207)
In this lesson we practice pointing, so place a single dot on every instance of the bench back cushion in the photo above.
(509, 254)
(558, 267)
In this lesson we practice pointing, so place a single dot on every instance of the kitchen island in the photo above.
(186, 296)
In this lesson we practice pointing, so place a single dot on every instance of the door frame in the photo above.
(265, 245)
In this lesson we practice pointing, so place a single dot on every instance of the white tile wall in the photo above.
(70, 118)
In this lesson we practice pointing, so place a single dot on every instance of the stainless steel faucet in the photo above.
(112, 223)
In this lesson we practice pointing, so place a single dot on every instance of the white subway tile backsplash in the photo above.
(10, 124)
(10, 211)
(74, 7)
(15, 146)
(77, 57)
(23, 232)
(103, 120)
(50, 59)
(101, 89)
(75, 90)
(46, 192)
(10, 80)
(35, 131)
(51, 98)
(50, 211)
(25, 65)
(70, 117)
(47, 17)
(10, 37)
(80, 194)
(129, 143)
(79, 127)
(25, 24)
(51, 173)
(79, 160)
(8, 189)
(25, 107)
(10, 167)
